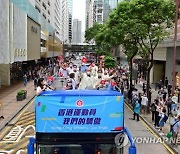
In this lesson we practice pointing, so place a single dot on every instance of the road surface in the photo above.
(14, 137)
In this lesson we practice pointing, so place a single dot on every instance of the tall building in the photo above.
(56, 13)
(87, 14)
(77, 31)
(98, 11)
(70, 10)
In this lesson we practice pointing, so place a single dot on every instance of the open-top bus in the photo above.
(79, 122)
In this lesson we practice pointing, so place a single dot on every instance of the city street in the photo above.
(14, 137)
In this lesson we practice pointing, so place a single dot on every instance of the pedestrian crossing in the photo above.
(16, 140)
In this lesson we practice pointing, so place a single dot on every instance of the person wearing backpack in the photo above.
(163, 119)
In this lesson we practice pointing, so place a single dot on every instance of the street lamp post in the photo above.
(175, 47)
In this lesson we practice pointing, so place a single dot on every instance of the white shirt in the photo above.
(144, 100)
(64, 72)
(73, 84)
(38, 89)
(69, 70)
(76, 76)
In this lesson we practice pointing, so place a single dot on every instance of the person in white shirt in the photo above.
(69, 69)
(76, 74)
(105, 75)
(42, 86)
(72, 78)
(144, 103)
(63, 70)
(86, 81)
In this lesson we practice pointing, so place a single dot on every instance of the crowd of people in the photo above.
(83, 76)
(164, 107)
(95, 75)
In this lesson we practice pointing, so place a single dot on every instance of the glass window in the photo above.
(49, 3)
(44, 5)
(37, 8)
(91, 148)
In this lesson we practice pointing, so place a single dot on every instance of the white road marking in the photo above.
(19, 151)
(15, 134)
(6, 152)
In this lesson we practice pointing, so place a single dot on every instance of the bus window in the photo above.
(79, 149)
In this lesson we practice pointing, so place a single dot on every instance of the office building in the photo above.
(55, 12)
(70, 10)
(97, 11)
(77, 31)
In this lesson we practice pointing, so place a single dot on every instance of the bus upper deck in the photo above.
(79, 121)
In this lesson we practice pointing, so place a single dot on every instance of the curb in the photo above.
(155, 131)
(11, 118)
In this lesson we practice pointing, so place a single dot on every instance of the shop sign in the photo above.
(34, 29)
(19, 52)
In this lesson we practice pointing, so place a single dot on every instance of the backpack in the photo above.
(165, 118)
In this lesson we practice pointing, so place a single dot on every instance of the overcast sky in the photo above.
(79, 11)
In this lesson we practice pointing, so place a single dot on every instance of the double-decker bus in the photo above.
(79, 122)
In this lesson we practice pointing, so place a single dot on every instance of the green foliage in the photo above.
(21, 92)
(110, 62)
(102, 52)
(91, 33)
(139, 25)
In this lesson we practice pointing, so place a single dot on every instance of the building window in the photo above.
(44, 15)
(49, 3)
(38, 9)
(100, 11)
(44, 5)
(48, 20)
(48, 12)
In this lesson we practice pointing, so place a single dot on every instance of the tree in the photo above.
(109, 62)
(123, 30)
(144, 22)
(154, 17)
(91, 33)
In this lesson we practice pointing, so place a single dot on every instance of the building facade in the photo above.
(70, 13)
(25, 37)
(56, 13)
(97, 11)
(77, 31)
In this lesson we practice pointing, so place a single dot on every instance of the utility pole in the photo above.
(175, 47)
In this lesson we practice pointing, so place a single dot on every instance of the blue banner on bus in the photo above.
(79, 112)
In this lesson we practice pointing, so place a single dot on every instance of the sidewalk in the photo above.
(11, 107)
(148, 118)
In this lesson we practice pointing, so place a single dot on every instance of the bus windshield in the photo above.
(80, 149)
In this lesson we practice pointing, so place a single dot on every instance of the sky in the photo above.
(79, 11)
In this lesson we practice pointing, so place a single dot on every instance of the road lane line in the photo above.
(26, 117)
(6, 129)
(165, 145)
(25, 121)
(19, 115)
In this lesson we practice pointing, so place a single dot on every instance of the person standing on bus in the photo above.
(42, 86)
